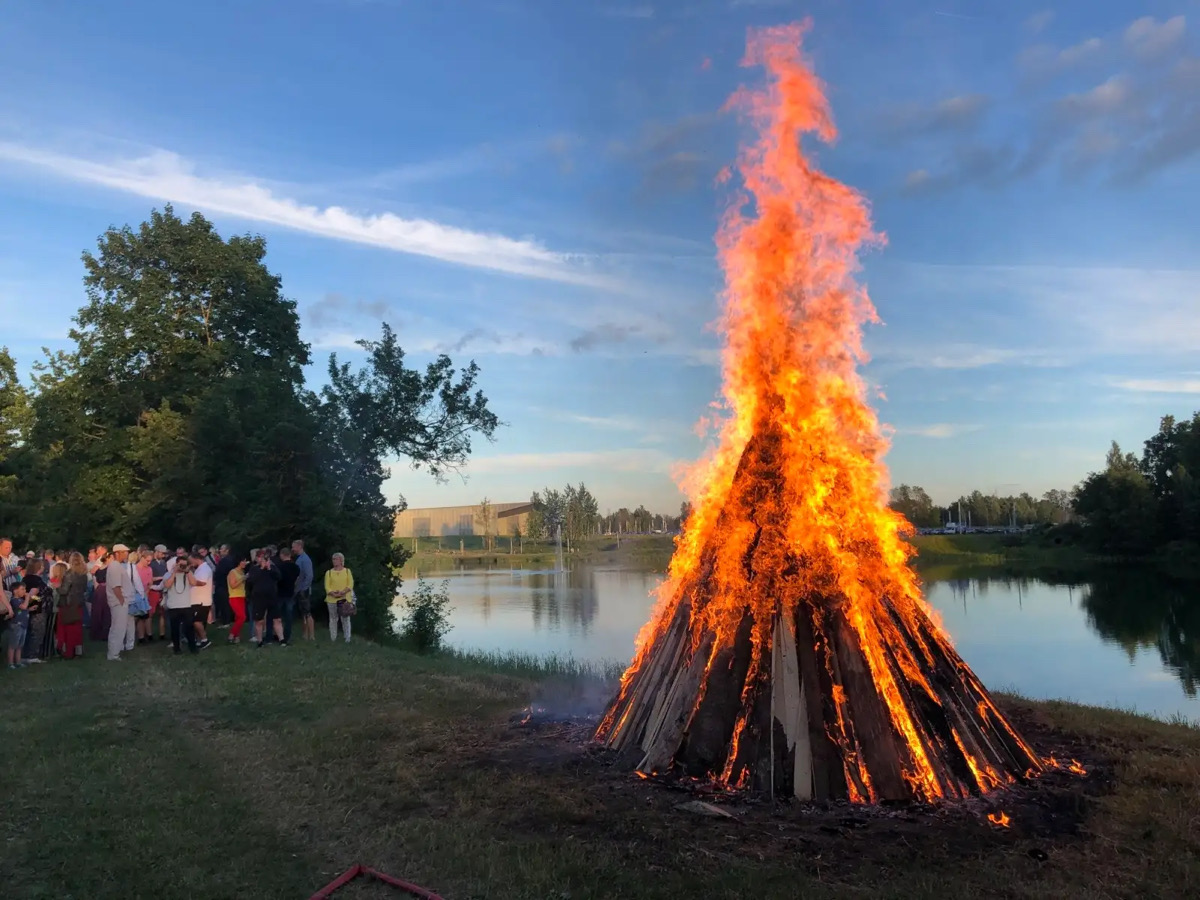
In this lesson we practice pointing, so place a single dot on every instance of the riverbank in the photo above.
(648, 552)
(652, 552)
(264, 773)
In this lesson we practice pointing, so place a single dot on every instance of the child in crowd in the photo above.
(14, 635)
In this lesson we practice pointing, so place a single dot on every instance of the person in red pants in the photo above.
(236, 581)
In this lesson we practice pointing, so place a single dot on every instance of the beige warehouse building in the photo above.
(454, 521)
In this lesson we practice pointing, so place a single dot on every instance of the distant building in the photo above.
(455, 521)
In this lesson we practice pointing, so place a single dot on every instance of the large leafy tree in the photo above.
(185, 341)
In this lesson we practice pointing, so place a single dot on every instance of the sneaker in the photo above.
(284, 644)
(205, 644)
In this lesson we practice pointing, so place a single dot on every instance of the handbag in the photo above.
(139, 605)
(346, 607)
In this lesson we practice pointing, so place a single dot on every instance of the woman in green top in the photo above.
(339, 590)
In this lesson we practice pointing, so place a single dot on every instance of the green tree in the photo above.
(176, 318)
(485, 516)
(386, 409)
(579, 514)
(914, 504)
(536, 524)
(1118, 506)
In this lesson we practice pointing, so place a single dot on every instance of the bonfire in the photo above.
(791, 650)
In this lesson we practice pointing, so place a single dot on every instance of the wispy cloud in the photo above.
(939, 431)
(1077, 312)
(335, 308)
(957, 356)
(959, 113)
(635, 459)
(647, 431)
(1042, 62)
(627, 12)
(1150, 39)
(1160, 385)
(165, 176)
(488, 341)
(1039, 21)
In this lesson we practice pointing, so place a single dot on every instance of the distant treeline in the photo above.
(982, 510)
(1135, 506)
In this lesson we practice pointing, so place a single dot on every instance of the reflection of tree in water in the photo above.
(1128, 607)
(1136, 609)
(569, 595)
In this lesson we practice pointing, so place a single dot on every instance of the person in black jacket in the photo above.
(262, 590)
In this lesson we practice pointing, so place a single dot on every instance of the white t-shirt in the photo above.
(177, 593)
(202, 594)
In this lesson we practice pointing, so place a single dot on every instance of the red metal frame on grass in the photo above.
(355, 871)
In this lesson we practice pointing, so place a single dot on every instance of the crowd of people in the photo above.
(126, 598)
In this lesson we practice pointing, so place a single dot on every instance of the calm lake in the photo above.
(1121, 638)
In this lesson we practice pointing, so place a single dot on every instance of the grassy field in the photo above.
(264, 773)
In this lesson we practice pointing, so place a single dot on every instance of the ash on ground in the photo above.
(556, 743)
(576, 704)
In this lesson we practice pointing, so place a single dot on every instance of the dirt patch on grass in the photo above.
(562, 782)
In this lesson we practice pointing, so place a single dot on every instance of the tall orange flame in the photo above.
(792, 322)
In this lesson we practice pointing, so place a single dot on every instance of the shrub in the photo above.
(426, 616)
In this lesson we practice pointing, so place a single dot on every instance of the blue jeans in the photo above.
(288, 604)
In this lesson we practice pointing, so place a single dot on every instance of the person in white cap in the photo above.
(119, 587)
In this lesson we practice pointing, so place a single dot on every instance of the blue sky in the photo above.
(529, 183)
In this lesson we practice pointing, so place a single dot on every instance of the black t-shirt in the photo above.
(35, 583)
(263, 584)
(288, 573)
(221, 577)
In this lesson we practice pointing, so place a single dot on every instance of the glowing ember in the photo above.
(1000, 818)
(792, 650)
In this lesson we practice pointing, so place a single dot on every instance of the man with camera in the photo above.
(177, 595)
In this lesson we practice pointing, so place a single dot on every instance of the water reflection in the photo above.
(592, 614)
(1138, 611)
(1116, 638)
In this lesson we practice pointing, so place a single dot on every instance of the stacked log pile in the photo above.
(790, 701)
